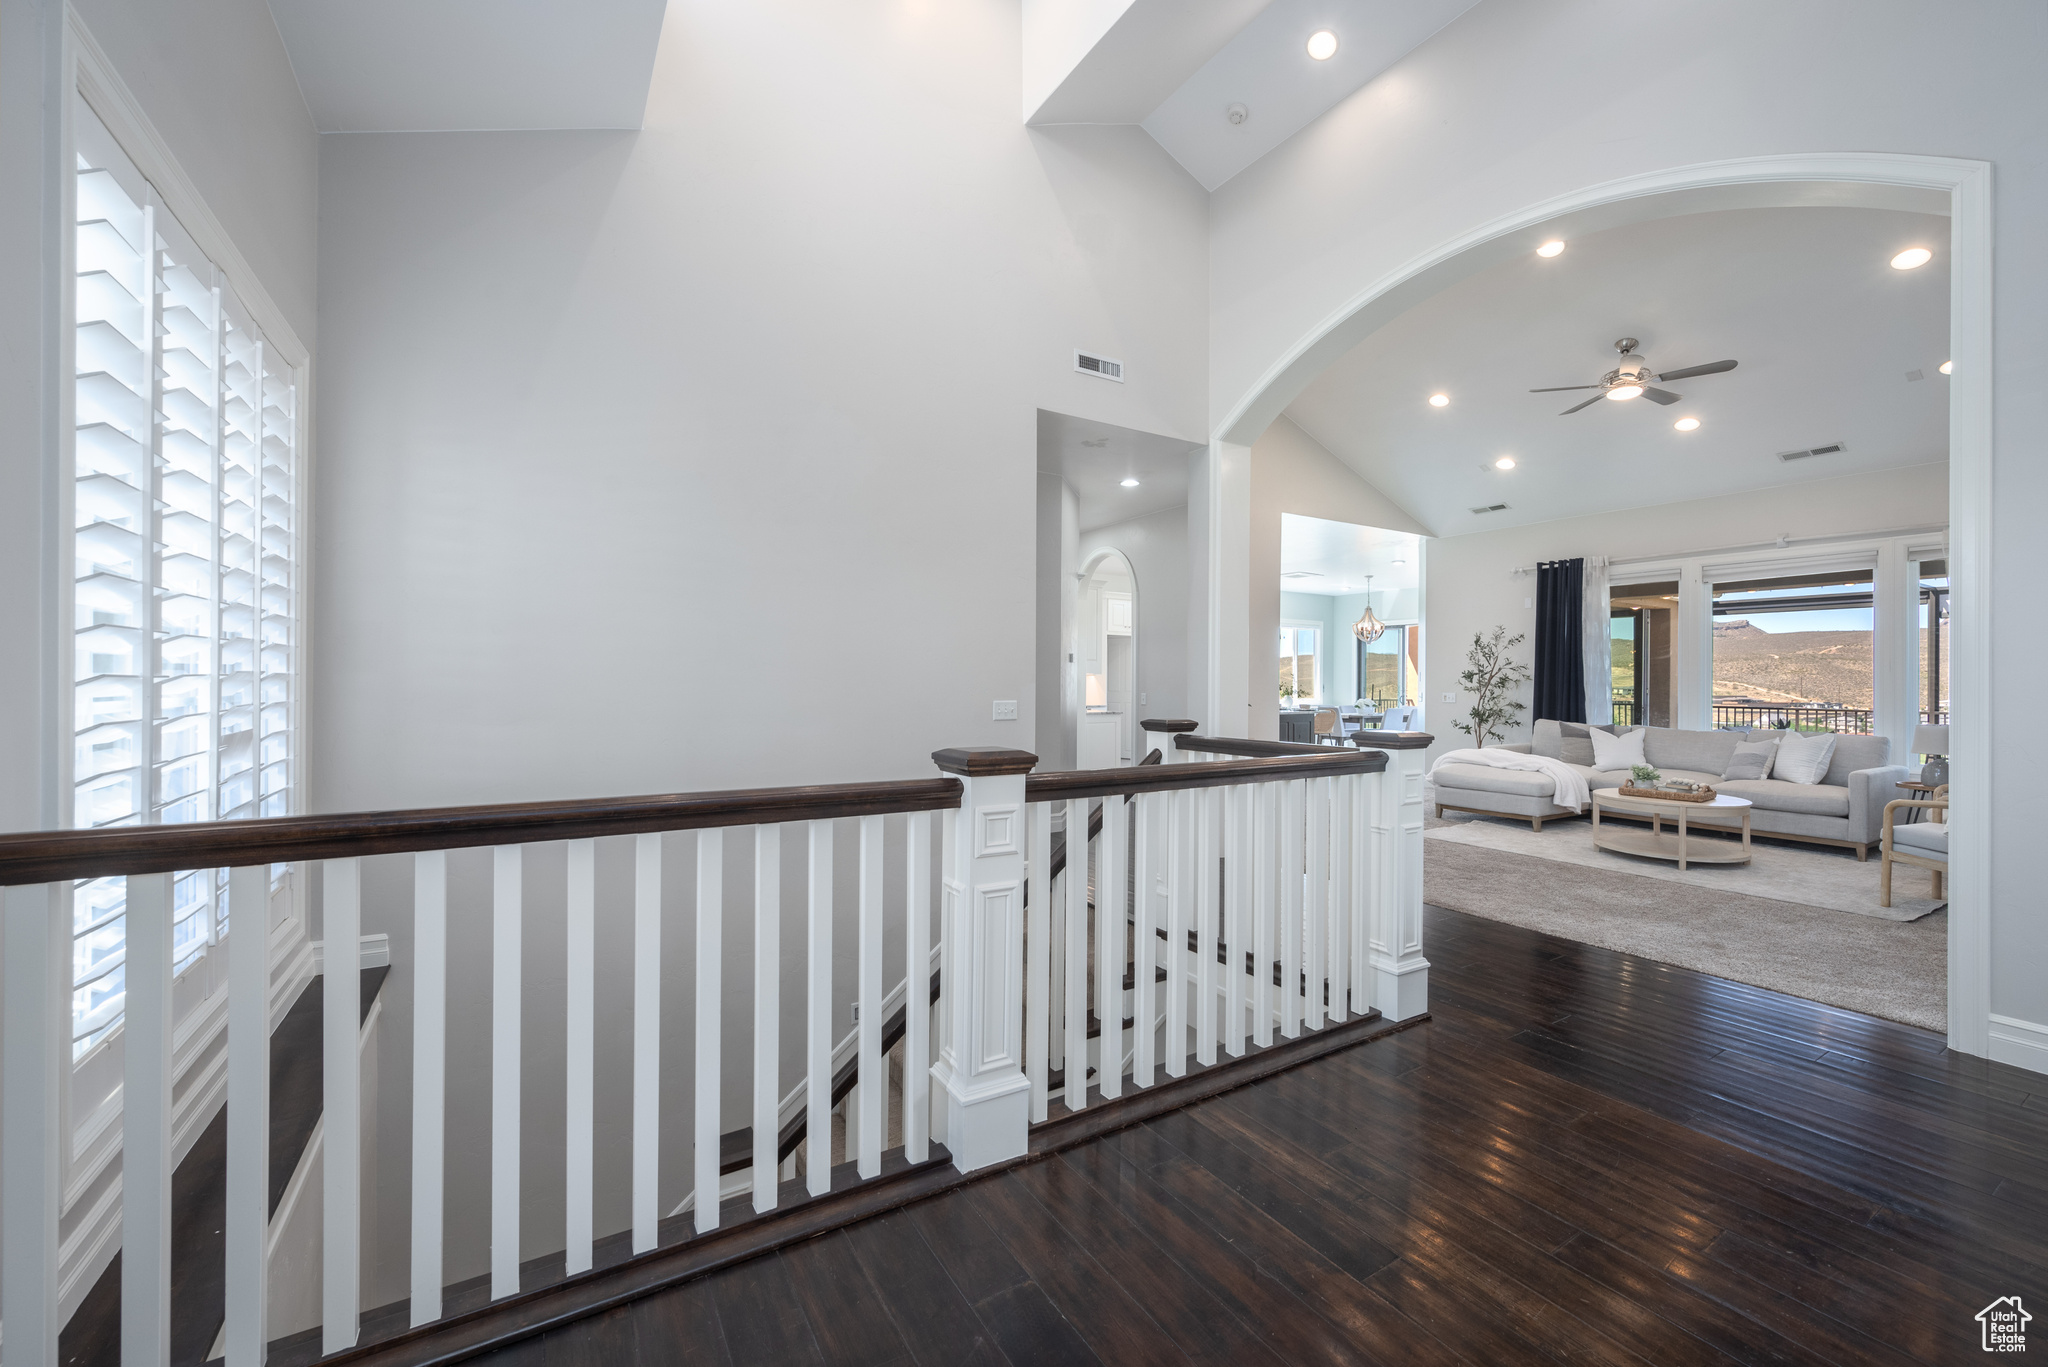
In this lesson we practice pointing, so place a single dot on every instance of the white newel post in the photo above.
(1400, 986)
(980, 1069)
(1162, 734)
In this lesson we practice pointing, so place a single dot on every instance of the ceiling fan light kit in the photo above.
(1633, 378)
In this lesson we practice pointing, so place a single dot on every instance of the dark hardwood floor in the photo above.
(1584, 1157)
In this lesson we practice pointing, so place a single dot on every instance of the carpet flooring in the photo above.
(1894, 969)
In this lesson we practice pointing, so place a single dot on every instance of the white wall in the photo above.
(1516, 104)
(1157, 547)
(1472, 587)
(706, 457)
(1292, 473)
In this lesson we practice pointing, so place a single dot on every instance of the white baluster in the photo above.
(1209, 906)
(1293, 870)
(1336, 918)
(646, 1041)
(1360, 910)
(1265, 886)
(1237, 870)
(1110, 926)
(507, 919)
(429, 1076)
(874, 1083)
(917, 989)
(341, 1169)
(818, 1023)
(1179, 892)
(579, 964)
(767, 1011)
(1145, 944)
(710, 970)
(146, 1126)
(1316, 912)
(1038, 966)
(248, 1177)
(1077, 954)
(35, 957)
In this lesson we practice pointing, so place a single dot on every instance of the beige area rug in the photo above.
(1811, 875)
(1894, 969)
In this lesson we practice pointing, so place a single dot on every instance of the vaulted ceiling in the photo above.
(1834, 346)
(471, 65)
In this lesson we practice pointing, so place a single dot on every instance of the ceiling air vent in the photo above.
(1492, 508)
(1832, 449)
(1302, 574)
(1100, 366)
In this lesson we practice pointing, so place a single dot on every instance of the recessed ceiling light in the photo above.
(1948, 367)
(1439, 400)
(1504, 463)
(1625, 391)
(1911, 257)
(1550, 248)
(1687, 424)
(1130, 484)
(1322, 45)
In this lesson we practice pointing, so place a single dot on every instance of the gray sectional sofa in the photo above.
(1845, 808)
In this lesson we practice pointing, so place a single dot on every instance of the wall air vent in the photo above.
(1099, 366)
(1833, 448)
(1302, 574)
(1492, 508)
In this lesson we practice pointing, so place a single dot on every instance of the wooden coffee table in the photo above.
(1655, 843)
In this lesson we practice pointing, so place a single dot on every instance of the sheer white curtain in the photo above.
(1597, 642)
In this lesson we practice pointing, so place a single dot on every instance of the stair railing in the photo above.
(1273, 889)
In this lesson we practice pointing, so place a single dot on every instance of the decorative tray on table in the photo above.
(1677, 792)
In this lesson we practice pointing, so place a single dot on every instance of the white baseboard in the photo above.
(2023, 1044)
(372, 951)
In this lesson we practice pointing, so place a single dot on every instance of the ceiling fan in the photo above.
(1633, 377)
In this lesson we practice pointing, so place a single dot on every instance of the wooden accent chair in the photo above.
(1923, 844)
(1327, 732)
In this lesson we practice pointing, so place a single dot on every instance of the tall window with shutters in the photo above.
(187, 559)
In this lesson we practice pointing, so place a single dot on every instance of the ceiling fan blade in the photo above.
(1561, 388)
(1713, 368)
(1587, 404)
(1661, 396)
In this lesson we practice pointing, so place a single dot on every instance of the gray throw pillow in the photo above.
(1577, 743)
(1752, 759)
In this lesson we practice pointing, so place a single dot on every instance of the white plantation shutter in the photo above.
(186, 559)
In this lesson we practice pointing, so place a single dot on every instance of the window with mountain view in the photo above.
(1795, 651)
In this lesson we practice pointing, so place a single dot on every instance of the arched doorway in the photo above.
(1955, 187)
(1106, 662)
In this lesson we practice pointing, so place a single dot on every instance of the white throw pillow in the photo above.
(1616, 752)
(1803, 759)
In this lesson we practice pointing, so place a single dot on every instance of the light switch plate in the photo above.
(1450, 697)
(1141, 700)
(1006, 709)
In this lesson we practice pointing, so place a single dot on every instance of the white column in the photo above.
(1400, 986)
(980, 1066)
(35, 958)
(1896, 646)
(146, 1126)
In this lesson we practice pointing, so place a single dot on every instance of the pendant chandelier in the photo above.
(1368, 628)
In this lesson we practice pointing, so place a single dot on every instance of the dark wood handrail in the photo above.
(1168, 777)
(48, 856)
(1362, 740)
